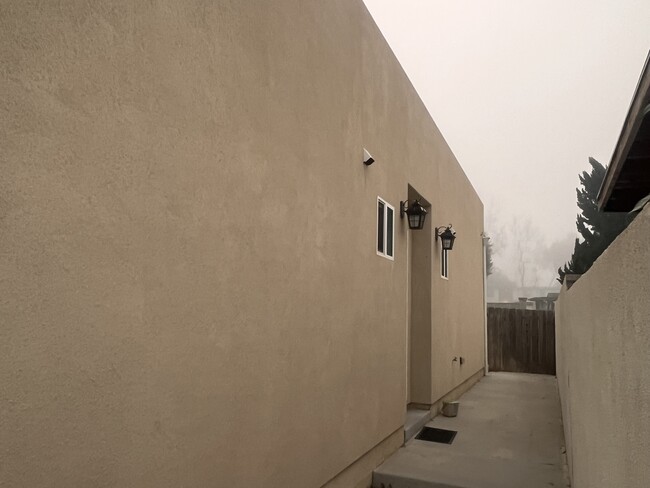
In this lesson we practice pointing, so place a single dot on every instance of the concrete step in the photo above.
(380, 480)
(415, 420)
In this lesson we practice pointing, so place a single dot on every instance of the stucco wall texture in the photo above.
(603, 365)
(189, 289)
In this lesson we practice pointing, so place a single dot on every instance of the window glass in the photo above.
(389, 231)
(444, 263)
(380, 226)
(385, 229)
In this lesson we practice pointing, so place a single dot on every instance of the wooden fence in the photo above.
(521, 341)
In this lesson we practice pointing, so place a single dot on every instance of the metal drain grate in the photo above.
(442, 436)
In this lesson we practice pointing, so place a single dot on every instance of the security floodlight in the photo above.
(367, 158)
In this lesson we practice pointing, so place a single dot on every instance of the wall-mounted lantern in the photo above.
(415, 212)
(447, 235)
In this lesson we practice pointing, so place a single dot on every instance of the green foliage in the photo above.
(597, 229)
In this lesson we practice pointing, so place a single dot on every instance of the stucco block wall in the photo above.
(603, 364)
(189, 289)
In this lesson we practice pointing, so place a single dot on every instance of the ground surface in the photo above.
(509, 436)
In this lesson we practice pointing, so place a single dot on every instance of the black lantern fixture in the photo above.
(415, 212)
(447, 236)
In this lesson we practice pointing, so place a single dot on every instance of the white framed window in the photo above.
(385, 229)
(444, 263)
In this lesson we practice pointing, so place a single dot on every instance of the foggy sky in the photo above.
(524, 92)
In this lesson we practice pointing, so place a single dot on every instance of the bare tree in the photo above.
(522, 253)
(524, 242)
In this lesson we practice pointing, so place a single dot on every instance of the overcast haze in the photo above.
(524, 92)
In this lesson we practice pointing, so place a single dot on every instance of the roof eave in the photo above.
(638, 109)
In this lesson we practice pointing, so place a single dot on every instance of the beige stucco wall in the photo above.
(189, 289)
(603, 364)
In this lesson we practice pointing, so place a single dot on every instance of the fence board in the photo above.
(521, 341)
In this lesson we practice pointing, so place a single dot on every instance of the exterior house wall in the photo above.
(603, 365)
(190, 292)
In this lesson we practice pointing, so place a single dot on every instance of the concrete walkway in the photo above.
(509, 436)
